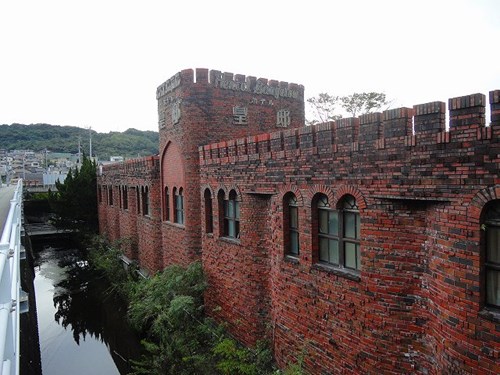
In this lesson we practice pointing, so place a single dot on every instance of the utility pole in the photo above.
(90, 142)
(79, 151)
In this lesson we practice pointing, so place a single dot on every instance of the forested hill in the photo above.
(55, 138)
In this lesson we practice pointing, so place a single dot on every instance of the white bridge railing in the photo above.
(10, 286)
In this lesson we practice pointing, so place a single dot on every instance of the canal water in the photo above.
(82, 324)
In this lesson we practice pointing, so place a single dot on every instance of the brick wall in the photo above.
(415, 306)
(196, 108)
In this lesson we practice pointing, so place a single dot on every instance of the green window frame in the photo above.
(339, 233)
(291, 225)
(232, 216)
(179, 206)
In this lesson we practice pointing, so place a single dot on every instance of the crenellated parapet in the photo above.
(233, 82)
(392, 130)
(149, 165)
(225, 105)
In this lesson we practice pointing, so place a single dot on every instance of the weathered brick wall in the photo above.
(128, 225)
(239, 268)
(416, 305)
(196, 108)
(139, 235)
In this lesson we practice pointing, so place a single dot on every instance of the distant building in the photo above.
(50, 178)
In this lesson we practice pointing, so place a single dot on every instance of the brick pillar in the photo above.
(397, 122)
(231, 148)
(325, 135)
(241, 146)
(370, 127)
(290, 137)
(430, 118)
(467, 111)
(277, 142)
(347, 130)
(306, 137)
(495, 107)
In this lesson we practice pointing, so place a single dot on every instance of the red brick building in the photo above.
(366, 245)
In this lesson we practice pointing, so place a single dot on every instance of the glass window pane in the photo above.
(237, 209)
(294, 243)
(333, 223)
(294, 220)
(231, 232)
(358, 257)
(493, 287)
(358, 226)
(349, 224)
(350, 255)
(323, 221)
(333, 251)
(323, 201)
(230, 209)
(349, 203)
(323, 249)
(493, 244)
(236, 229)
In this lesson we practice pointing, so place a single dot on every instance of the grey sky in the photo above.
(98, 63)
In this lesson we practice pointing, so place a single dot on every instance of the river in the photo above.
(82, 325)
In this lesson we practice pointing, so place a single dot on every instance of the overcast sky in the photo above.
(98, 63)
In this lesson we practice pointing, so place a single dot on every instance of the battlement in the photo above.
(423, 124)
(150, 164)
(233, 82)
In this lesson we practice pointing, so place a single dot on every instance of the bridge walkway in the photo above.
(6, 194)
(13, 300)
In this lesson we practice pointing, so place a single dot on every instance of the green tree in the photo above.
(326, 107)
(75, 202)
(363, 103)
(169, 307)
(38, 137)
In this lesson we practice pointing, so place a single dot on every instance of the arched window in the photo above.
(291, 224)
(351, 227)
(125, 197)
(328, 232)
(232, 216)
(221, 205)
(138, 199)
(145, 200)
(110, 195)
(209, 228)
(167, 205)
(491, 230)
(178, 206)
(339, 233)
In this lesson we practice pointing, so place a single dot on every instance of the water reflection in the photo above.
(82, 327)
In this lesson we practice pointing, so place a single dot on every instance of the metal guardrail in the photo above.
(12, 298)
